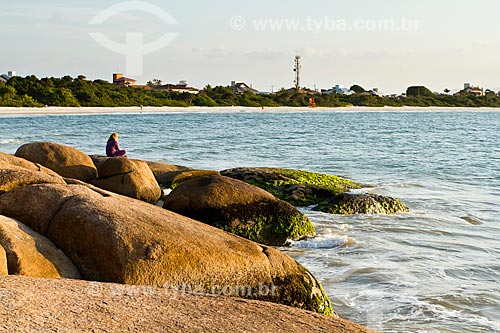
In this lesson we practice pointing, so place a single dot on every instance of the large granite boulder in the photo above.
(298, 187)
(159, 169)
(31, 254)
(165, 174)
(98, 159)
(66, 161)
(4, 270)
(131, 178)
(239, 208)
(14, 176)
(112, 238)
(173, 178)
(11, 160)
(350, 203)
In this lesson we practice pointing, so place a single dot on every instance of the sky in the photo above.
(388, 44)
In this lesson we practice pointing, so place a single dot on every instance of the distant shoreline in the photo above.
(7, 111)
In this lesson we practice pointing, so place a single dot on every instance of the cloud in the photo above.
(268, 54)
(232, 53)
(62, 15)
(25, 13)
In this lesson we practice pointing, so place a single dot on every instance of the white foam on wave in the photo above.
(442, 313)
(412, 308)
(327, 241)
(9, 141)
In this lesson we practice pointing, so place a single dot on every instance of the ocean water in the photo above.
(435, 269)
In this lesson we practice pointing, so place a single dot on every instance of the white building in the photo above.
(339, 89)
(476, 91)
(6, 77)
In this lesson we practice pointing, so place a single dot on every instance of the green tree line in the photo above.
(80, 92)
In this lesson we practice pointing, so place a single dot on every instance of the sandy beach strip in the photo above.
(6, 111)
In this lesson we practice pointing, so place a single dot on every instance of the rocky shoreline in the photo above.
(59, 305)
(67, 215)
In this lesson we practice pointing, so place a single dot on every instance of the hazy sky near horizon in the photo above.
(439, 44)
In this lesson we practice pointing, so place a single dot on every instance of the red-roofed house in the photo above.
(121, 81)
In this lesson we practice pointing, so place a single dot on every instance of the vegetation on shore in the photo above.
(80, 92)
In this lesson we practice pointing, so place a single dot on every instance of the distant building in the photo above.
(339, 89)
(303, 91)
(476, 91)
(375, 92)
(241, 87)
(471, 90)
(6, 77)
(181, 87)
(121, 81)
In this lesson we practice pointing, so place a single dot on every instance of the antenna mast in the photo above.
(297, 69)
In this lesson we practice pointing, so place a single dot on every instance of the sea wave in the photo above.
(327, 241)
(9, 141)
(410, 309)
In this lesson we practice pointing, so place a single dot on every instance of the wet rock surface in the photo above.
(239, 208)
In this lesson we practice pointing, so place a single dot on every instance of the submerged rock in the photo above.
(298, 187)
(239, 208)
(471, 219)
(66, 161)
(350, 203)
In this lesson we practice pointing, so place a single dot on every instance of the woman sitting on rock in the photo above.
(113, 148)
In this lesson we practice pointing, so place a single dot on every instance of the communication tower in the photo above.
(297, 69)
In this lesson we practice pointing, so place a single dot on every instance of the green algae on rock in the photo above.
(306, 292)
(267, 222)
(350, 203)
(239, 208)
(298, 187)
